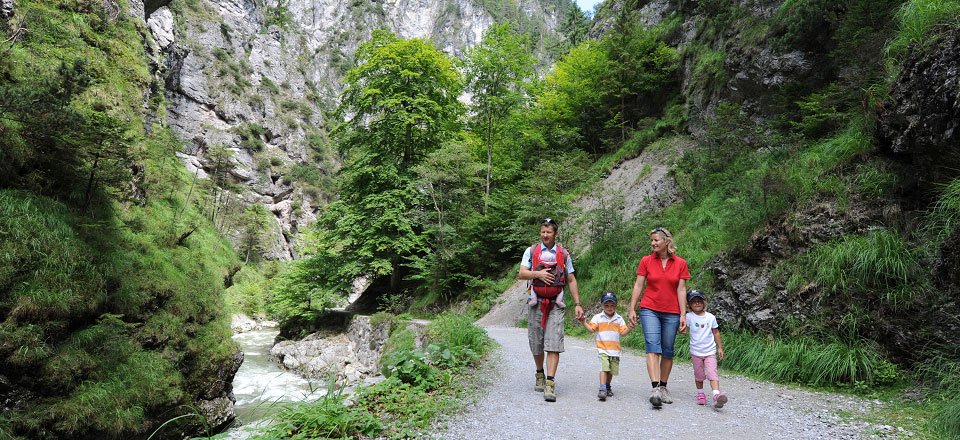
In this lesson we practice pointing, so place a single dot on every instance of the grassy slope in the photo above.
(726, 205)
(109, 324)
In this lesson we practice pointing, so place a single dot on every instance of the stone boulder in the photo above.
(241, 323)
(351, 356)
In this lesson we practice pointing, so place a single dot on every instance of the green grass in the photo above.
(917, 19)
(109, 320)
(880, 264)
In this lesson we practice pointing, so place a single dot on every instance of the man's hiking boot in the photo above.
(665, 395)
(541, 378)
(602, 395)
(655, 398)
(550, 391)
(609, 391)
(719, 400)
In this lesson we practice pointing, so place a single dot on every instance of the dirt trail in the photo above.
(510, 409)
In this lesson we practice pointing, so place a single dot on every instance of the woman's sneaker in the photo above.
(655, 399)
(701, 399)
(719, 400)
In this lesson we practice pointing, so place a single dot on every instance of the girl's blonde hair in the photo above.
(666, 236)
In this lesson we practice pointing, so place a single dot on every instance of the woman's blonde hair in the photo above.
(666, 236)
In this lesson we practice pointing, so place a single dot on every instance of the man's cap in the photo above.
(695, 294)
(607, 297)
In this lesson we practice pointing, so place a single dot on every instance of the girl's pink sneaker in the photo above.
(719, 400)
(701, 399)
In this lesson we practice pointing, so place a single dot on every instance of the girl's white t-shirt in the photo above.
(701, 333)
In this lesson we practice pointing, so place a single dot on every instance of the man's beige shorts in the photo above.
(610, 364)
(549, 339)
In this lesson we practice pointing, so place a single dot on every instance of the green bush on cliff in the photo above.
(111, 319)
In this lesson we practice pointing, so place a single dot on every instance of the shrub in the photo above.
(917, 18)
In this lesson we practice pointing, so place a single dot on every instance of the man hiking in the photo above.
(549, 267)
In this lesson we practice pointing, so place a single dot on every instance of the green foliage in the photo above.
(879, 265)
(249, 293)
(278, 16)
(110, 307)
(944, 218)
(328, 418)
(917, 19)
(575, 26)
(824, 112)
(402, 102)
(807, 361)
(251, 136)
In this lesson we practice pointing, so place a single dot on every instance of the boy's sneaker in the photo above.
(655, 399)
(719, 400)
(665, 395)
(609, 391)
(701, 399)
(602, 395)
(541, 378)
(550, 391)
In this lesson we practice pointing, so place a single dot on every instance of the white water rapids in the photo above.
(261, 386)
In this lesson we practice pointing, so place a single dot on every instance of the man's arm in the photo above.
(575, 291)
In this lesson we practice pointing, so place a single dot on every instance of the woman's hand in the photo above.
(683, 323)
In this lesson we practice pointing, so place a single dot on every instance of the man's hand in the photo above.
(578, 313)
(545, 276)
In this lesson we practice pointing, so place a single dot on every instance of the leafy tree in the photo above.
(447, 180)
(571, 104)
(400, 105)
(497, 70)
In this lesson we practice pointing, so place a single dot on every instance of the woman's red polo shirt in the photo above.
(661, 292)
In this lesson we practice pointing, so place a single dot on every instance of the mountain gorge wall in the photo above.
(258, 78)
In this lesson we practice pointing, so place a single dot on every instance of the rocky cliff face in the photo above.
(921, 121)
(256, 77)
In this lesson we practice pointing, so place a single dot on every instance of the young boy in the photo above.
(608, 327)
(706, 348)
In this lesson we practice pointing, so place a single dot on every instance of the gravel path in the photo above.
(510, 409)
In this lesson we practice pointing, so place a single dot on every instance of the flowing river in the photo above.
(261, 386)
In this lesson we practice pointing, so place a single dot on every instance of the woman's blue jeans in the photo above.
(659, 331)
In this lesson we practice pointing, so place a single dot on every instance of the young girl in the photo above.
(706, 348)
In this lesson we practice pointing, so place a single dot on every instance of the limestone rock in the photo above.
(241, 323)
(161, 26)
(217, 412)
(6, 9)
(350, 356)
